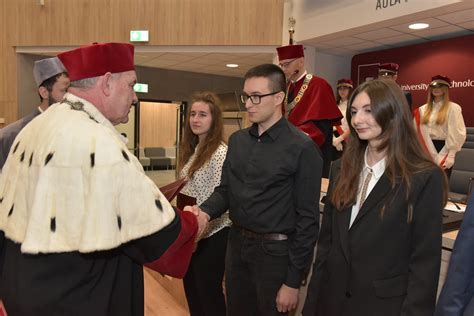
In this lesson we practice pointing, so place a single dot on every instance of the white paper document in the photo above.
(455, 207)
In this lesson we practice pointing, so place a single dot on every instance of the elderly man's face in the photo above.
(293, 68)
(122, 96)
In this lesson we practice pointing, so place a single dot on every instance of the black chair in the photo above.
(462, 175)
(469, 143)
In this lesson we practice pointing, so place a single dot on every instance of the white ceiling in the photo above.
(209, 63)
(389, 34)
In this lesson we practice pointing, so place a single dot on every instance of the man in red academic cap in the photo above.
(80, 216)
(390, 71)
(311, 105)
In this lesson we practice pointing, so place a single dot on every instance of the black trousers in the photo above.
(255, 271)
(439, 144)
(328, 152)
(203, 281)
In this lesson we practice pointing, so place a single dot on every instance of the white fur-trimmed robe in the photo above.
(70, 184)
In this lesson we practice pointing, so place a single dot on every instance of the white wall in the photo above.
(332, 67)
(327, 66)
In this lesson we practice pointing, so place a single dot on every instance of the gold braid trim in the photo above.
(291, 106)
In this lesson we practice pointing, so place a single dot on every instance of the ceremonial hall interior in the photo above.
(183, 46)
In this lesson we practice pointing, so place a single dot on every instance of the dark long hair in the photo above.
(213, 139)
(404, 154)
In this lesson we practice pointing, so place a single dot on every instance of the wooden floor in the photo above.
(163, 295)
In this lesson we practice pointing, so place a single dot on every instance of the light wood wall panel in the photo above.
(170, 22)
(158, 123)
(234, 121)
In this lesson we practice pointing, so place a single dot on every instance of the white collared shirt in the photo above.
(300, 77)
(453, 131)
(377, 171)
(343, 108)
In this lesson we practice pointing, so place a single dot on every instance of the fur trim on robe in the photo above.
(70, 184)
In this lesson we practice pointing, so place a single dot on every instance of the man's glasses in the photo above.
(286, 64)
(255, 98)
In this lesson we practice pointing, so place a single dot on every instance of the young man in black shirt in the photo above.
(270, 184)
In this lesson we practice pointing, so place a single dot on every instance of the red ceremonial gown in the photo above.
(316, 104)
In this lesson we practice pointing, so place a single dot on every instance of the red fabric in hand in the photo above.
(3, 312)
(175, 261)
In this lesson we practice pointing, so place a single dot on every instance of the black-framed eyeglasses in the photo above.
(255, 98)
(286, 64)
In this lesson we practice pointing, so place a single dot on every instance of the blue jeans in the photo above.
(255, 271)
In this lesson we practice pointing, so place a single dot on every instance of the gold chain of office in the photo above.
(297, 99)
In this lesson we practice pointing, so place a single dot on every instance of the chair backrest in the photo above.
(170, 152)
(155, 152)
(463, 172)
(469, 143)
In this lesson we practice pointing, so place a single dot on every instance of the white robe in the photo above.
(70, 184)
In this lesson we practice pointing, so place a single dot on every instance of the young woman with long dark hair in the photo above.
(379, 249)
(202, 154)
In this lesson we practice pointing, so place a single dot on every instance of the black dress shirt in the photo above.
(271, 184)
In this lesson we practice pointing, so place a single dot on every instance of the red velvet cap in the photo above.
(388, 68)
(440, 80)
(345, 82)
(290, 51)
(97, 59)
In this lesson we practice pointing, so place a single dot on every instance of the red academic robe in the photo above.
(175, 261)
(317, 103)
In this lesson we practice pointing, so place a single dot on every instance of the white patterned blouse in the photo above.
(203, 182)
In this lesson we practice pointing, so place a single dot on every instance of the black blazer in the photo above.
(381, 265)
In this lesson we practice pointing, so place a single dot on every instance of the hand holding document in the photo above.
(170, 191)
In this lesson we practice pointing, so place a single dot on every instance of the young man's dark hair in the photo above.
(276, 76)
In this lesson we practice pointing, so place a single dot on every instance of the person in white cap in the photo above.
(52, 81)
(79, 214)
(441, 124)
